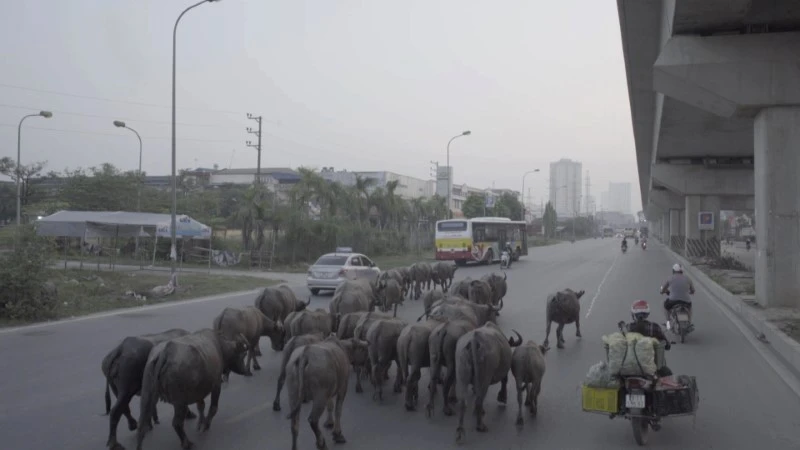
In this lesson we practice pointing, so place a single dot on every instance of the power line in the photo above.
(111, 134)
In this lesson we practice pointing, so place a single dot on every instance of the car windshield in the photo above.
(331, 260)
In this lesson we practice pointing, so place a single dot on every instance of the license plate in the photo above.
(634, 401)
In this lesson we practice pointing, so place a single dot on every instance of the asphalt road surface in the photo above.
(51, 388)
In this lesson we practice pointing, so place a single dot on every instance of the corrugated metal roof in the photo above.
(252, 171)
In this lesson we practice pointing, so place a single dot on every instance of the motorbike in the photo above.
(747, 245)
(505, 260)
(636, 241)
(624, 248)
(679, 321)
(644, 245)
(643, 399)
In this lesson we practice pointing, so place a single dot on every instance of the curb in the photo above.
(786, 348)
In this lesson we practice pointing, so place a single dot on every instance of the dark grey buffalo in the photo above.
(277, 302)
(421, 275)
(480, 292)
(390, 293)
(431, 297)
(443, 273)
(185, 371)
(319, 373)
(251, 323)
(394, 274)
(563, 308)
(406, 273)
(364, 322)
(306, 322)
(455, 308)
(123, 368)
(483, 358)
(382, 338)
(353, 296)
(528, 366)
(498, 284)
(442, 349)
(413, 355)
(461, 287)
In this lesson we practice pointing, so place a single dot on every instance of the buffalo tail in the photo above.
(150, 390)
(474, 346)
(300, 369)
(110, 370)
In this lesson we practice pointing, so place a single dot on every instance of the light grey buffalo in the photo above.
(123, 368)
(498, 284)
(364, 322)
(421, 275)
(319, 373)
(277, 302)
(251, 323)
(382, 338)
(528, 366)
(442, 349)
(353, 296)
(461, 287)
(391, 294)
(454, 308)
(480, 292)
(412, 351)
(563, 308)
(307, 321)
(185, 371)
(443, 273)
(483, 358)
(394, 274)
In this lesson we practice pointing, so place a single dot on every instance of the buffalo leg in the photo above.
(520, 388)
(201, 410)
(276, 404)
(578, 326)
(435, 373)
(254, 352)
(317, 408)
(533, 397)
(560, 336)
(120, 407)
(338, 437)
(449, 381)
(295, 427)
(399, 377)
(412, 384)
(502, 396)
(359, 375)
(179, 416)
(248, 362)
(329, 409)
(212, 410)
(480, 396)
(546, 342)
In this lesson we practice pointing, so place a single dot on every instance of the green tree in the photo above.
(507, 205)
(29, 174)
(550, 219)
(474, 205)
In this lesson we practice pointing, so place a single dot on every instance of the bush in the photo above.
(25, 293)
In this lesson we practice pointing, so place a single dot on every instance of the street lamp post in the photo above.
(523, 190)
(174, 209)
(450, 172)
(46, 115)
(121, 124)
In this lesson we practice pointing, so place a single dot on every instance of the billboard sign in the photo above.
(705, 221)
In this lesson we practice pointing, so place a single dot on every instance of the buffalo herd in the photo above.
(456, 338)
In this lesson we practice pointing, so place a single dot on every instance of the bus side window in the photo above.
(479, 233)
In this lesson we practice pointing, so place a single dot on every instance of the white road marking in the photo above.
(599, 287)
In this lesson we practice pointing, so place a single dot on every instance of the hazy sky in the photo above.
(361, 85)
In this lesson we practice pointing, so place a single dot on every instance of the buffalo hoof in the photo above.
(256, 367)
(481, 428)
(502, 397)
(528, 402)
(359, 389)
(248, 374)
(323, 445)
(520, 421)
(448, 411)
(578, 334)
(116, 446)
(276, 406)
(206, 425)
(132, 425)
(398, 389)
(560, 345)
(459, 435)
(429, 411)
(338, 438)
(189, 414)
(534, 410)
(328, 424)
(410, 407)
(187, 444)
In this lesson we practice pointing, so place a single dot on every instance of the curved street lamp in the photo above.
(121, 124)
(174, 208)
(46, 115)
(450, 172)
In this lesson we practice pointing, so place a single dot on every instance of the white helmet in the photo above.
(677, 268)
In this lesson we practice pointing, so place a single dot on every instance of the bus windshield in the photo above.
(459, 225)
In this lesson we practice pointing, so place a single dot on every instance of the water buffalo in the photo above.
(251, 323)
(412, 350)
(187, 370)
(480, 292)
(431, 297)
(454, 307)
(353, 296)
(346, 324)
(483, 358)
(442, 349)
(306, 322)
(276, 302)
(563, 308)
(406, 273)
(382, 338)
(123, 368)
(364, 322)
(461, 287)
(443, 273)
(319, 373)
(394, 274)
(498, 284)
(391, 292)
(420, 276)
(528, 366)
(291, 345)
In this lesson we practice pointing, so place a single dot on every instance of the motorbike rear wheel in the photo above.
(641, 430)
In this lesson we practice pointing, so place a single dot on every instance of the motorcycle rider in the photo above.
(640, 311)
(508, 249)
(624, 243)
(680, 289)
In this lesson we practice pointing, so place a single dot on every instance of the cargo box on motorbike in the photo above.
(600, 400)
(676, 396)
(631, 354)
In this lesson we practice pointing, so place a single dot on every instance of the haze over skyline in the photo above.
(353, 85)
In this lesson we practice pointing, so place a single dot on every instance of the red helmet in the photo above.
(640, 310)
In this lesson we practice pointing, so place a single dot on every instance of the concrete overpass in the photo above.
(714, 89)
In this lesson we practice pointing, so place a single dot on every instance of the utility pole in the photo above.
(256, 146)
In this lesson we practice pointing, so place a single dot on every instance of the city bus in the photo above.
(479, 239)
(608, 232)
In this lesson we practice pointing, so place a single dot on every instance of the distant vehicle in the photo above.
(608, 232)
(629, 232)
(479, 239)
(332, 269)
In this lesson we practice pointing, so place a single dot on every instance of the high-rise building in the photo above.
(565, 187)
(619, 197)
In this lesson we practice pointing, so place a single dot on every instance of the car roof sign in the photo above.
(344, 249)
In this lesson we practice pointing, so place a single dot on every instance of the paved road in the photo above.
(52, 388)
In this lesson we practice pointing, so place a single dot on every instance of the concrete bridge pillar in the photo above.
(777, 160)
(677, 235)
(701, 242)
(665, 228)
